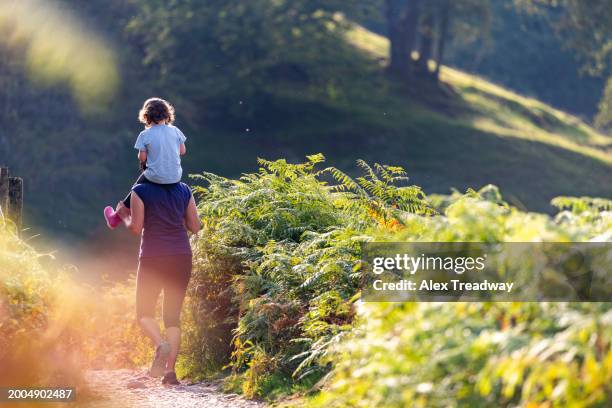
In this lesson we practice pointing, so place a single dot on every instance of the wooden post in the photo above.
(4, 189)
(15, 206)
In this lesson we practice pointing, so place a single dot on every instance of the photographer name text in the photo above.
(429, 285)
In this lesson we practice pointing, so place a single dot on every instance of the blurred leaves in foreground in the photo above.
(58, 48)
(51, 327)
(474, 354)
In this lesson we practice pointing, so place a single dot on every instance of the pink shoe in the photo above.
(112, 219)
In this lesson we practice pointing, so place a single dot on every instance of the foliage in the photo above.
(477, 355)
(518, 35)
(26, 300)
(480, 354)
(500, 354)
(584, 29)
(579, 205)
(291, 43)
(289, 242)
(52, 327)
(427, 27)
(284, 238)
(59, 49)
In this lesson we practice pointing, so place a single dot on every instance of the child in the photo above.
(159, 147)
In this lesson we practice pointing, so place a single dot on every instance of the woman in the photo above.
(162, 214)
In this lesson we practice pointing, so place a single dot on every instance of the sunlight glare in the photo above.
(58, 48)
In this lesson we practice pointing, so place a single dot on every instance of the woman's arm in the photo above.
(182, 149)
(192, 219)
(134, 218)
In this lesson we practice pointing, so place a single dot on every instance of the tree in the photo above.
(442, 39)
(585, 28)
(233, 50)
(586, 25)
(426, 44)
(426, 27)
(402, 24)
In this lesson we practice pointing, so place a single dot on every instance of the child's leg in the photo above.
(140, 180)
(113, 219)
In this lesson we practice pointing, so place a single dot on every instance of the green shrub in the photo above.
(273, 245)
(480, 354)
(277, 272)
(477, 355)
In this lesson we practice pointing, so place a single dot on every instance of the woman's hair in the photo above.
(155, 110)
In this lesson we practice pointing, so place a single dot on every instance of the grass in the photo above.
(477, 133)
(503, 112)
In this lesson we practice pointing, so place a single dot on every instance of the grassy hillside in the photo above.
(498, 110)
(472, 134)
(484, 133)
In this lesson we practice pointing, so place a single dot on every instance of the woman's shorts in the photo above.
(169, 274)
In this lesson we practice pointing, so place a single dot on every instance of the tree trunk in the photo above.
(442, 35)
(398, 56)
(402, 27)
(427, 42)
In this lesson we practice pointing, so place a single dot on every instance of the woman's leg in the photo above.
(175, 287)
(173, 334)
(148, 287)
(151, 329)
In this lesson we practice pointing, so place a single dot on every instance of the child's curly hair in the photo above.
(155, 110)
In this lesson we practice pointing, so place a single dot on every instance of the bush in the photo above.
(277, 271)
(477, 355)
(480, 354)
(37, 345)
(273, 245)
(52, 327)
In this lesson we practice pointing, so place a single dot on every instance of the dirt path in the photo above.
(112, 386)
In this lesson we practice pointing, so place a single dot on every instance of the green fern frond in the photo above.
(316, 158)
(369, 171)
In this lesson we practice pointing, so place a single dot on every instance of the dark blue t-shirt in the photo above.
(164, 230)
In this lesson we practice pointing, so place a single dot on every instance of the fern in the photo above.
(378, 191)
(288, 237)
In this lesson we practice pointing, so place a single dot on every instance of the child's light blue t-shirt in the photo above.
(162, 144)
